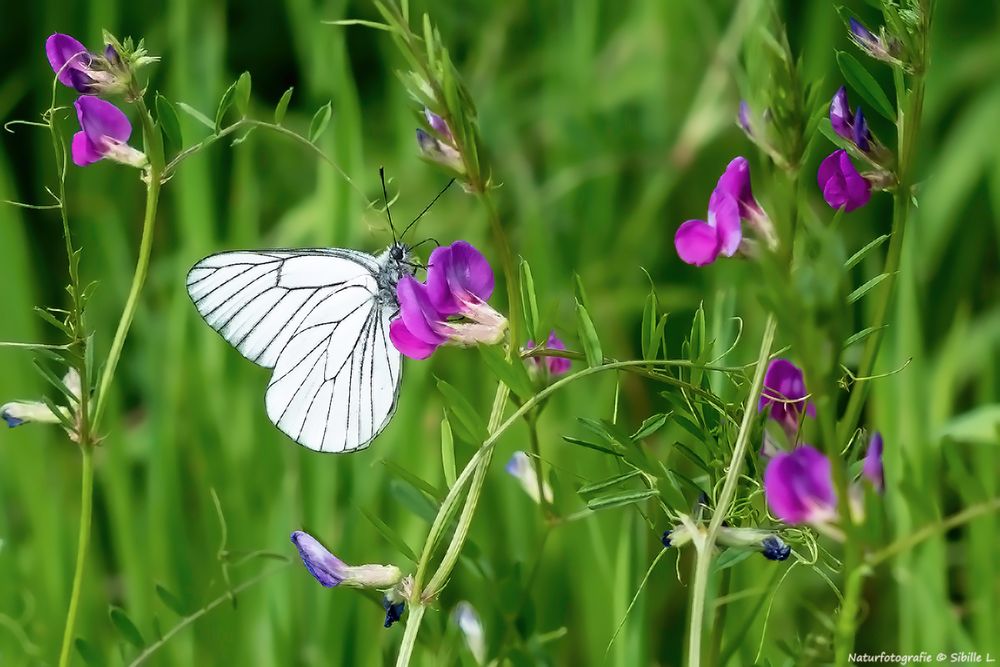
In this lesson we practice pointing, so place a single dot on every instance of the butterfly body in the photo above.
(319, 318)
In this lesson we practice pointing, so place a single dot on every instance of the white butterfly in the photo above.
(320, 319)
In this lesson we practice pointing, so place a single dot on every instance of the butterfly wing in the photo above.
(314, 317)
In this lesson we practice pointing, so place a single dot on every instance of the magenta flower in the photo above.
(842, 185)
(785, 392)
(700, 242)
(330, 571)
(554, 365)
(852, 127)
(83, 71)
(440, 149)
(872, 468)
(451, 307)
(104, 134)
(799, 487)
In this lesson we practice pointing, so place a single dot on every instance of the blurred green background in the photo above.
(607, 125)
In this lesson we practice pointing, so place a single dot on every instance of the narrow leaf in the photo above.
(88, 652)
(514, 374)
(448, 453)
(588, 336)
(242, 94)
(591, 445)
(197, 115)
(859, 255)
(390, 536)
(126, 628)
(170, 125)
(282, 108)
(171, 601)
(617, 500)
(411, 479)
(529, 301)
(861, 80)
(465, 415)
(224, 104)
(319, 121)
(861, 335)
(650, 426)
(867, 287)
(600, 486)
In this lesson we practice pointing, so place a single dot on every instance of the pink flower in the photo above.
(799, 487)
(105, 133)
(842, 185)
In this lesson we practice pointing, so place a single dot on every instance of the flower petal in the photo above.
(417, 312)
(323, 565)
(407, 343)
(873, 468)
(61, 49)
(840, 114)
(697, 242)
(469, 273)
(799, 486)
(736, 181)
(438, 290)
(102, 120)
(84, 151)
(724, 215)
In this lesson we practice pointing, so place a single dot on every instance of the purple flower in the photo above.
(743, 119)
(785, 392)
(842, 185)
(852, 127)
(104, 134)
(83, 71)
(870, 43)
(799, 487)
(393, 610)
(440, 149)
(700, 242)
(330, 571)
(554, 365)
(872, 468)
(451, 307)
(774, 548)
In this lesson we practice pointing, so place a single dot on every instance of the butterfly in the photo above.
(319, 319)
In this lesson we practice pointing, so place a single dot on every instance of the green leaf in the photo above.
(861, 254)
(861, 80)
(282, 108)
(390, 536)
(197, 115)
(600, 486)
(514, 374)
(54, 321)
(224, 104)
(448, 453)
(126, 628)
(529, 301)
(867, 287)
(319, 121)
(588, 336)
(861, 335)
(980, 425)
(650, 426)
(171, 601)
(465, 416)
(617, 500)
(170, 125)
(591, 445)
(411, 479)
(241, 96)
(55, 381)
(88, 652)
(729, 558)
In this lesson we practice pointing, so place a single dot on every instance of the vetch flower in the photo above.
(393, 610)
(666, 539)
(785, 393)
(86, 72)
(16, 413)
(553, 365)
(774, 548)
(743, 119)
(842, 185)
(872, 44)
(770, 545)
(451, 307)
(700, 242)
(852, 127)
(104, 134)
(872, 468)
(799, 487)
(330, 571)
(522, 467)
(440, 149)
(468, 621)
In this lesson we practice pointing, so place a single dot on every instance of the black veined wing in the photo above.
(316, 318)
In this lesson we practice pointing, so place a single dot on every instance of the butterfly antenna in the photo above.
(385, 196)
(427, 208)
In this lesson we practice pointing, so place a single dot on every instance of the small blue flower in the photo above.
(330, 571)
(666, 538)
(774, 548)
(393, 611)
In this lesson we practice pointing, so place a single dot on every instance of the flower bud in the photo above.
(330, 571)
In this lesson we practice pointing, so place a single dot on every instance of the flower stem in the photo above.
(83, 542)
(151, 139)
(413, 620)
(705, 546)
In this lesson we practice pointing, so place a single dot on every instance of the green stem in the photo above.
(703, 560)
(153, 145)
(83, 542)
(509, 272)
(413, 620)
(848, 616)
